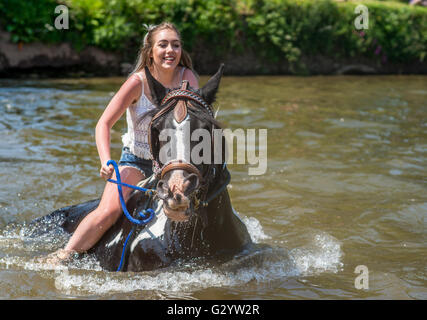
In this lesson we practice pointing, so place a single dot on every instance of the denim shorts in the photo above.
(128, 159)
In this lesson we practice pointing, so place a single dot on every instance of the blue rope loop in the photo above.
(148, 214)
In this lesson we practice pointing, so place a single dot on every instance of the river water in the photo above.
(345, 186)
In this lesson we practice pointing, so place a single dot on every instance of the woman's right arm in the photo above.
(129, 92)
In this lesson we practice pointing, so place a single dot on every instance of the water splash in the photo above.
(318, 253)
(30, 237)
(322, 253)
(255, 229)
(262, 266)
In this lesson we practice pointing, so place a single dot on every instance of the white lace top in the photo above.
(136, 138)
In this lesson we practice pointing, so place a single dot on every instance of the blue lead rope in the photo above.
(147, 215)
(122, 258)
(143, 213)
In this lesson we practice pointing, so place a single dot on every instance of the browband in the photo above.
(183, 93)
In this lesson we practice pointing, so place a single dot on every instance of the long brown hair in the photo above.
(144, 53)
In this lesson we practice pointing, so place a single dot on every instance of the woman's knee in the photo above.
(107, 215)
(131, 175)
(110, 208)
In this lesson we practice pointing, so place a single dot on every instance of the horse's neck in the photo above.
(218, 207)
(225, 230)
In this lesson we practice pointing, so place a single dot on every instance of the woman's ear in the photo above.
(209, 90)
(158, 91)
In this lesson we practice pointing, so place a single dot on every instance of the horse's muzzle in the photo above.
(179, 215)
(175, 189)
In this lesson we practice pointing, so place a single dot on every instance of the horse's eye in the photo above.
(192, 183)
(162, 189)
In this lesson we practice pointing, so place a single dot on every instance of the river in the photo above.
(345, 189)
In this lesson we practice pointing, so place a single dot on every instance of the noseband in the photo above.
(180, 164)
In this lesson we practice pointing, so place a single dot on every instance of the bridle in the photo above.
(180, 110)
(199, 196)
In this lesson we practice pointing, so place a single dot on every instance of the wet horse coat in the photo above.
(211, 231)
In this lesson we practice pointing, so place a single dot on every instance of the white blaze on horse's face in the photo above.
(182, 139)
(177, 206)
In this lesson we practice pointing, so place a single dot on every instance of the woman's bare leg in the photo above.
(96, 223)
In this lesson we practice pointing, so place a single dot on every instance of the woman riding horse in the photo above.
(204, 224)
(169, 63)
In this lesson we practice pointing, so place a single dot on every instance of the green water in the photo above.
(345, 186)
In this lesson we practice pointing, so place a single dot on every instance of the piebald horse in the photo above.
(193, 215)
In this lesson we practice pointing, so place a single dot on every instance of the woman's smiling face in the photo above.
(167, 49)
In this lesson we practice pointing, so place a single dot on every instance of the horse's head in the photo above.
(181, 137)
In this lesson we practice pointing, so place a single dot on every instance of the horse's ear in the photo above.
(158, 91)
(209, 90)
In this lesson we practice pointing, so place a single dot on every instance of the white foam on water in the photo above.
(24, 246)
(175, 282)
(255, 229)
(322, 254)
(315, 252)
(38, 263)
(166, 281)
(27, 237)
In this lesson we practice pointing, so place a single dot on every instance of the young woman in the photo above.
(162, 53)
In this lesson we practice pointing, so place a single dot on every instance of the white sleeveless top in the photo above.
(136, 139)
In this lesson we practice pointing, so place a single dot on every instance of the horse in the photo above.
(191, 212)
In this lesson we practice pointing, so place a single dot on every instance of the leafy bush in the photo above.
(29, 21)
(274, 30)
(397, 32)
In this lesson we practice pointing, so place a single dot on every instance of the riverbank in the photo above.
(38, 60)
(302, 37)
